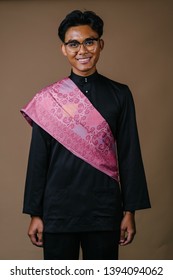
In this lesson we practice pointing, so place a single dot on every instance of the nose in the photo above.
(82, 49)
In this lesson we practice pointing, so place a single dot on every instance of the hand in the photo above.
(128, 229)
(35, 231)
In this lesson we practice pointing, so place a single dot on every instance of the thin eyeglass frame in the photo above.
(74, 50)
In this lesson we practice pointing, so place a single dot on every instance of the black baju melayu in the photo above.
(69, 194)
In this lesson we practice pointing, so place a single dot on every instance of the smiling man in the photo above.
(85, 176)
(82, 56)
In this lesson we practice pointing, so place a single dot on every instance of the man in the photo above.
(85, 176)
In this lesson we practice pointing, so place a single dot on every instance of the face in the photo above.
(83, 61)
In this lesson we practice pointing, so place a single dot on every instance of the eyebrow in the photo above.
(74, 40)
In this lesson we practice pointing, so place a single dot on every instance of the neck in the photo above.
(84, 74)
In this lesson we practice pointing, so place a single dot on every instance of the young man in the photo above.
(85, 176)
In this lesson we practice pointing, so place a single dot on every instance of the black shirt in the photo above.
(71, 195)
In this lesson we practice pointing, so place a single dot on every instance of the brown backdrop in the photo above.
(138, 52)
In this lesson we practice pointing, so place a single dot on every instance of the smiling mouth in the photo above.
(84, 60)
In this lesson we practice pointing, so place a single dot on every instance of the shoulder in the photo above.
(52, 86)
(120, 89)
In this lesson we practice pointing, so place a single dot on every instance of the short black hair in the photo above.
(76, 18)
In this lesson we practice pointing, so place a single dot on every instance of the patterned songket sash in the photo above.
(66, 114)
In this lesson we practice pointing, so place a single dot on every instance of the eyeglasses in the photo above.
(74, 46)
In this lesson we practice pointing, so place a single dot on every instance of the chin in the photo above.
(86, 69)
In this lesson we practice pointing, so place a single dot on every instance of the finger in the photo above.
(122, 236)
(40, 239)
(129, 238)
(33, 238)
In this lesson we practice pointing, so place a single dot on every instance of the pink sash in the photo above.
(66, 114)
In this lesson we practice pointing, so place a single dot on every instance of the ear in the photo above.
(101, 44)
(63, 49)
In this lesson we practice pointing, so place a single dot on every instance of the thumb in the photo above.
(39, 239)
(122, 235)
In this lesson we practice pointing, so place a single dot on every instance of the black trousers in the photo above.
(95, 245)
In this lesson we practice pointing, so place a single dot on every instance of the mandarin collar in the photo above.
(81, 79)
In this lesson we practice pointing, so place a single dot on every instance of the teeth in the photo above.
(84, 59)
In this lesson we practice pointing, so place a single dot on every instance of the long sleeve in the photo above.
(71, 195)
(132, 176)
(36, 172)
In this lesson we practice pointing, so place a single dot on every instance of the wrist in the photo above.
(131, 213)
(36, 217)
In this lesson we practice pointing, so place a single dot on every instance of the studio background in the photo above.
(138, 52)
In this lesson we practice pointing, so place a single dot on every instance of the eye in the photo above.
(89, 42)
(73, 44)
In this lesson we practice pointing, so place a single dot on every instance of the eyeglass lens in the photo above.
(89, 44)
